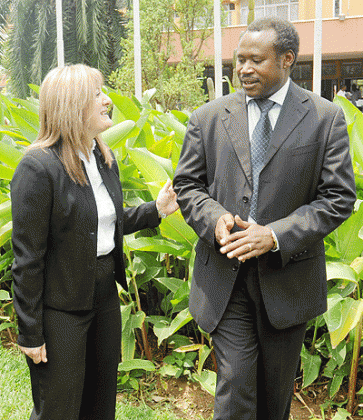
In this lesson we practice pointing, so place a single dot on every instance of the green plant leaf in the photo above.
(350, 111)
(335, 385)
(182, 293)
(356, 138)
(329, 368)
(163, 331)
(10, 155)
(175, 227)
(155, 245)
(182, 116)
(342, 414)
(310, 365)
(5, 325)
(349, 244)
(134, 383)
(128, 335)
(14, 134)
(5, 209)
(342, 317)
(27, 122)
(174, 125)
(6, 172)
(129, 365)
(188, 348)
(116, 135)
(35, 88)
(31, 105)
(204, 352)
(208, 380)
(169, 370)
(357, 265)
(137, 319)
(154, 168)
(5, 233)
(126, 106)
(339, 270)
(171, 283)
(339, 353)
(4, 295)
(147, 96)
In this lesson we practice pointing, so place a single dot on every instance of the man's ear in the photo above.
(288, 59)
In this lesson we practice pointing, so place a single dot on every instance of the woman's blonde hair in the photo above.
(66, 100)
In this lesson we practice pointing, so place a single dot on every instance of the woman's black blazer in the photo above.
(55, 238)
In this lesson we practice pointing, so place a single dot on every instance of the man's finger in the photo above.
(241, 223)
(167, 184)
(44, 354)
(223, 228)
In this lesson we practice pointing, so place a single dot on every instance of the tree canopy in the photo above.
(178, 84)
(92, 32)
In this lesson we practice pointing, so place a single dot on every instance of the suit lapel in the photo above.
(292, 112)
(236, 125)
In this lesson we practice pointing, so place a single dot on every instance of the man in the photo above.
(343, 92)
(355, 94)
(276, 202)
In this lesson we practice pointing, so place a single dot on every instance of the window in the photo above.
(229, 8)
(329, 69)
(302, 71)
(351, 69)
(286, 9)
(337, 7)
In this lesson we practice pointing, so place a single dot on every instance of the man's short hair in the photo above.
(287, 37)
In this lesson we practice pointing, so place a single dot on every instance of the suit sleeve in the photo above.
(334, 200)
(199, 209)
(140, 217)
(31, 195)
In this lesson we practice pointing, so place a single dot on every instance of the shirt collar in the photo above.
(278, 96)
(82, 156)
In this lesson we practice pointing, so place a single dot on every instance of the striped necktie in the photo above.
(261, 137)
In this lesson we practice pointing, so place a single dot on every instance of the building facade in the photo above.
(342, 44)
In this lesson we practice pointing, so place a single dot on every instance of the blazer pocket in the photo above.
(307, 148)
(202, 252)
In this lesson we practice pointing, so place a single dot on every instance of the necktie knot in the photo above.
(264, 104)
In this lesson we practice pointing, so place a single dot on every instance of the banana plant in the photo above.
(344, 249)
(147, 143)
(147, 156)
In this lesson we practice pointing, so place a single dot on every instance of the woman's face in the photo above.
(99, 120)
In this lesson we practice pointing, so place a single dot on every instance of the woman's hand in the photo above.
(166, 201)
(37, 354)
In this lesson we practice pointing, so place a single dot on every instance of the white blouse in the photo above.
(105, 208)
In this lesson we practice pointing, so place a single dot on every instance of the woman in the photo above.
(68, 227)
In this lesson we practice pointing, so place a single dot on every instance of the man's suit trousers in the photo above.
(79, 381)
(256, 363)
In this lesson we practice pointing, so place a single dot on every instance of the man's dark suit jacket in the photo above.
(306, 190)
(55, 238)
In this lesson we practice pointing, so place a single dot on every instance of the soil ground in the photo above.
(189, 401)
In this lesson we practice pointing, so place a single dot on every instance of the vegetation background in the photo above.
(159, 334)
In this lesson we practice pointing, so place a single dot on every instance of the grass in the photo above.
(15, 393)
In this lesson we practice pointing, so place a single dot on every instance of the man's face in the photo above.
(259, 69)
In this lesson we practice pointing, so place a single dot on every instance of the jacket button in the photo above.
(235, 267)
(245, 199)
